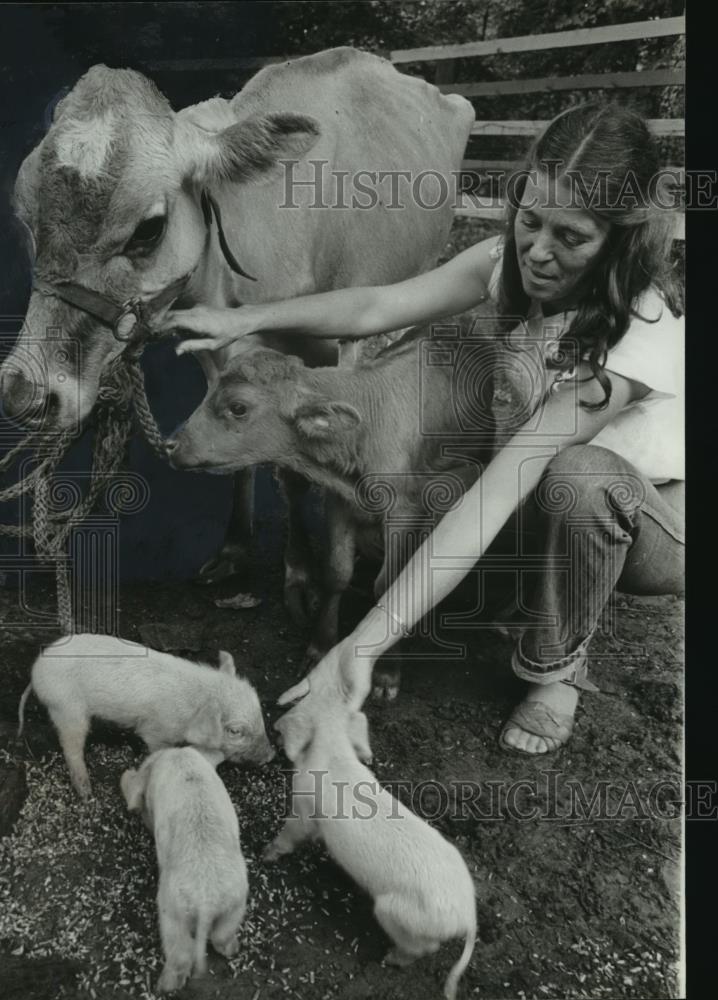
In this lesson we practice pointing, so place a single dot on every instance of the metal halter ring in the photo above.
(121, 330)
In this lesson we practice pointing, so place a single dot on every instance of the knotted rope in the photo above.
(122, 390)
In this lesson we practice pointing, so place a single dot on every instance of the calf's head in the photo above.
(111, 200)
(264, 408)
(230, 720)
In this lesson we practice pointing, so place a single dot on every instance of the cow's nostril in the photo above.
(170, 445)
(21, 399)
(51, 407)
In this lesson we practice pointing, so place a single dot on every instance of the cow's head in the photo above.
(111, 201)
(265, 408)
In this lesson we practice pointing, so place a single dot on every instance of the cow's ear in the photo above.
(325, 421)
(27, 187)
(249, 148)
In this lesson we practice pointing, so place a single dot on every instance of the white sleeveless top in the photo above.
(650, 432)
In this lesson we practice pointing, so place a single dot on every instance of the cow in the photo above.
(395, 441)
(131, 207)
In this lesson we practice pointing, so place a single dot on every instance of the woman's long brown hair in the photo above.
(611, 162)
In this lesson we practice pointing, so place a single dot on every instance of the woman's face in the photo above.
(556, 247)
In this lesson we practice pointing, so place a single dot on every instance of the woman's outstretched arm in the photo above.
(348, 313)
(466, 531)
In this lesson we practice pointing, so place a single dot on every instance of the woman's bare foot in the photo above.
(548, 709)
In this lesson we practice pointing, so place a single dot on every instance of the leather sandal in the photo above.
(539, 719)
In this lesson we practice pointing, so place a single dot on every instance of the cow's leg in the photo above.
(338, 572)
(300, 595)
(235, 552)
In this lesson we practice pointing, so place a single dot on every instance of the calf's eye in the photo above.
(146, 236)
(238, 409)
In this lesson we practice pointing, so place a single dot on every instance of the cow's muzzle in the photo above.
(24, 400)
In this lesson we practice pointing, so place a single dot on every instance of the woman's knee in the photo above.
(588, 479)
(588, 459)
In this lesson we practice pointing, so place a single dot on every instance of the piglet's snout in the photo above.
(265, 752)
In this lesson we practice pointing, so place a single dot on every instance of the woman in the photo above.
(595, 478)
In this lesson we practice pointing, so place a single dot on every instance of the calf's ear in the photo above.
(323, 421)
(132, 785)
(247, 149)
(226, 663)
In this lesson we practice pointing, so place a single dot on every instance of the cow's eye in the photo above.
(146, 236)
(238, 409)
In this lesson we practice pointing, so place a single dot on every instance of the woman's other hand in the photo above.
(208, 329)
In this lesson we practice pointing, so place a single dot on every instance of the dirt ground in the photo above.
(570, 904)
(576, 897)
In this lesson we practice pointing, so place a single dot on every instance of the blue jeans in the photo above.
(593, 524)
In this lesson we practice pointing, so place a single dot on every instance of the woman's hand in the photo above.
(342, 674)
(341, 679)
(211, 328)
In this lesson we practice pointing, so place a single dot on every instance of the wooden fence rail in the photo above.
(553, 40)
(587, 81)
(659, 126)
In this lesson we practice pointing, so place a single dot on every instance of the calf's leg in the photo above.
(299, 594)
(399, 546)
(338, 572)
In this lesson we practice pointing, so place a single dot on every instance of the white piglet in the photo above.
(423, 892)
(164, 699)
(202, 890)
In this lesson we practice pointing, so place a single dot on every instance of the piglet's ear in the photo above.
(249, 148)
(326, 420)
(296, 733)
(226, 663)
(205, 727)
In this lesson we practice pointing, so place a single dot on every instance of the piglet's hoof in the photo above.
(227, 948)
(398, 957)
(171, 980)
(385, 683)
(231, 560)
(83, 788)
(271, 853)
